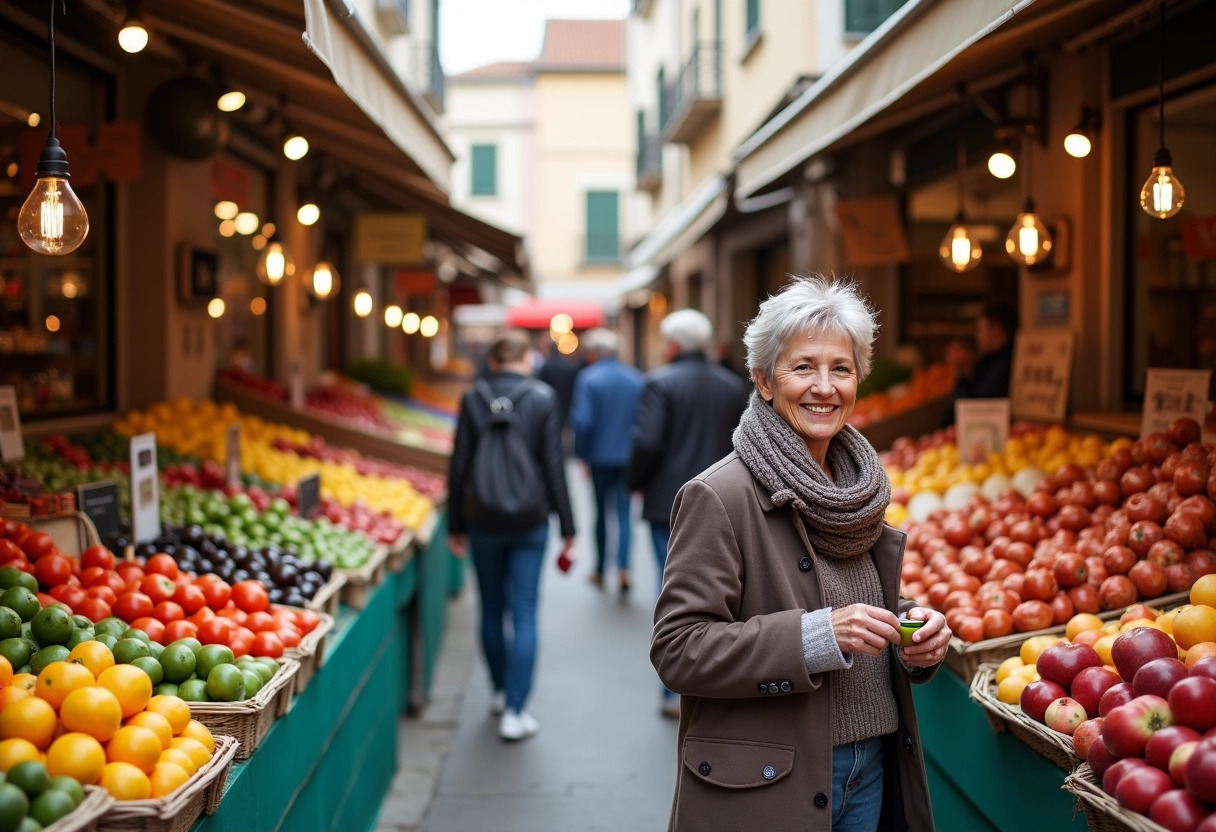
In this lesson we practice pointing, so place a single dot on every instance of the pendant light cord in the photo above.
(1161, 78)
(51, 39)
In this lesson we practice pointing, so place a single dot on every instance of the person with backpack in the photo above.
(506, 477)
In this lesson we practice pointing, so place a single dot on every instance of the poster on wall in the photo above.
(1042, 369)
(981, 428)
(145, 490)
(1172, 394)
(872, 232)
(11, 446)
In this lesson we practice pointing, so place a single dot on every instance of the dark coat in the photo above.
(559, 372)
(989, 380)
(728, 638)
(688, 411)
(537, 412)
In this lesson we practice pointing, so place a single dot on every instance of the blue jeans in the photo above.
(660, 536)
(609, 486)
(508, 577)
(857, 786)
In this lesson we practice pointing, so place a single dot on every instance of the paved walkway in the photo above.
(604, 758)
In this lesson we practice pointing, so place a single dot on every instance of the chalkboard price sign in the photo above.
(308, 495)
(99, 500)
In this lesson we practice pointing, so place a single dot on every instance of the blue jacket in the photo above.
(605, 403)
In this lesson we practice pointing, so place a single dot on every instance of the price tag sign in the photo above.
(1042, 366)
(1171, 394)
(145, 489)
(982, 426)
(308, 495)
(11, 447)
(99, 500)
(233, 465)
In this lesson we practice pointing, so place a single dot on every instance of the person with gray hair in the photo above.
(685, 417)
(780, 622)
(604, 405)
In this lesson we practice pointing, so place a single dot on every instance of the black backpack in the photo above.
(506, 488)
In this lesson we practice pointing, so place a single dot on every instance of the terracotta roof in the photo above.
(502, 69)
(582, 46)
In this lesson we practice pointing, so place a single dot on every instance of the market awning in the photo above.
(537, 314)
(679, 228)
(913, 44)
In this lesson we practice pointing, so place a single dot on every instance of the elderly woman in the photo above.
(778, 619)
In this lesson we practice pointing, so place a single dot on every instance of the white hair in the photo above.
(813, 304)
(689, 329)
(601, 342)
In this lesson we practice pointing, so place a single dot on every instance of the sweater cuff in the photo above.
(820, 652)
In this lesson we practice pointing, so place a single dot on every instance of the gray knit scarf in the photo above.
(843, 518)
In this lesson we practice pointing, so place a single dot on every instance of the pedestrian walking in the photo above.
(778, 622)
(686, 414)
(602, 413)
(506, 477)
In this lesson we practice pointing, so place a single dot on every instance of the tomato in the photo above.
(10, 551)
(216, 592)
(46, 600)
(260, 621)
(215, 630)
(232, 613)
(162, 564)
(307, 621)
(38, 545)
(91, 575)
(241, 641)
(53, 569)
(289, 635)
(73, 596)
(114, 581)
(130, 571)
(167, 611)
(132, 605)
(93, 608)
(97, 555)
(250, 596)
(154, 628)
(204, 614)
(157, 587)
(175, 630)
(267, 644)
(190, 598)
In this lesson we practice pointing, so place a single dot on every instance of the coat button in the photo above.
(763, 688)
(769, 773)
(786, 687)
(821, 800)
(705, 768)
(908, 744)
(805, 564)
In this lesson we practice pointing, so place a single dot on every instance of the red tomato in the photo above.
(92, 575)
(251, 596)
(232, 613)
(184, 579)
(97, 555)
(217, 592)
(267, 644)
(307, 621)
(215, 631)
(180, 629)
(241, 641)
(289, 635)
(190, 597)
(53, 569)
(23, 564)
(114, 581)
(133, 605)
(259, 621)
(155, 629)
(46, 600)
(204, 614)
(167, 611)
(10, 551)
(130, 571)
(38, 544)
(162, 564)
(157, 587)
(68, 594)
(103, 592)
(93, 609)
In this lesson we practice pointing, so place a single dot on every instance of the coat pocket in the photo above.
(737, 764)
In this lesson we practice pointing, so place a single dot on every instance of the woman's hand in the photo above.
(929, 643)
(860, 628)
(458, 544)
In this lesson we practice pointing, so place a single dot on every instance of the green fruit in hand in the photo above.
(127, 650)
(48, 655)
(11, 576)
(149, 665)
(20, 600)
(210, 656)
(30, 776)
(50, 806)
(193, 690)
(10, 623)
(52, 626)
(14, 806)
(178, 662)
(225, 683)
(70, 786)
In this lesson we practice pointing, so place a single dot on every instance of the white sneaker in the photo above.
(517, 725)
(498, 703)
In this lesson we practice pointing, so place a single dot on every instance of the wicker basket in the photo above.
(249, 721)
(179, 811)
(84, 817)
(400, 551)
(72, 531)
(1051, 744)
(1101, 810)
(327, 597)
(310, 652)
(362, 582)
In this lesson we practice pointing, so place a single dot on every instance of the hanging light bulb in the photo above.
(246, 223)
(226, 209)
(215, 308)
(324, 281)
(362, 303)
(959, 251)
(429, 326)
(1029, 241)
(133, 37)
(1162, 194)
(52, 220)
(1001, 164)
(308, 213)
(1079, 141)
(295, 147)
(274, 264)
(393, 315)
(410, 323)
(231, 101)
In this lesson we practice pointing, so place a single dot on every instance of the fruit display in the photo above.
(30, 798)
(923, 385)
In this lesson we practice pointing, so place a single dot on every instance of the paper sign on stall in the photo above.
(11, 446)
(145, 489)
(981, 428)
(1171, 394)
(1042, 365)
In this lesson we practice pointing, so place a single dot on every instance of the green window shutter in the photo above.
(753, 16)
(864, 16)
(485, 170)
(603, 243)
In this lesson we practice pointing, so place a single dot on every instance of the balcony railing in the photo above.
(695, 97)
(393, 16)
(427, 74)
(650, 162)
(600, 249)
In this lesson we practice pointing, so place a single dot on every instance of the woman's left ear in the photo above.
(762, 385)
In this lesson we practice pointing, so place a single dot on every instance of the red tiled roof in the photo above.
(501, 69)
(583, 45)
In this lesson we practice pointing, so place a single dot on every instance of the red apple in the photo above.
(1158, 677)
(1088, 686)
(1162, 744)
(1085, 735)
(1201, 771)
(1177, 766)
(1128, 727)
(1177, 811)
(1118, 770)
(1037, 696)
(1064, 715)
(1148, 578)
(1205, 667)
(1098, 757)
(1193, 701)
(1139, 646)
(1140, 787)
(1208, 824)
(1115, 696)
(1062, 661)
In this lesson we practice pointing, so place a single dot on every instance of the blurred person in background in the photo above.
(984, 373)
(559, 371)
(602, 413)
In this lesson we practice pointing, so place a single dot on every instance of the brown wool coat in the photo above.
(754, 740)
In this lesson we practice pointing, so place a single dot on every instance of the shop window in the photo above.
(485, 170)
(753, 20)
(864, 16)
(603, 243)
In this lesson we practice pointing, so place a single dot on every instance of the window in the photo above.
(753, 18)
(864, 16)
(485, 170)
(603, 243)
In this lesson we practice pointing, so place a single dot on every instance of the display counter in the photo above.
(917, 421)
(1109, 424)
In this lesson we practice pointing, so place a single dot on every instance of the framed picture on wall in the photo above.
(198, 279)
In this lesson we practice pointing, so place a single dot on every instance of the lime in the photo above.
(11, 576)
(16, 650)
(28, 824)
(194, 644)
(14, 806)
(225, 683)
(267, 667)
(78, 636)
(48, 655)
(151, 666)
(193, 690)
(52, 625)
(111, 626)
(69, 785)
(209, 656)
(165, 689)
(253, 682)
(178, 662)
(107, 639)
(30, 776)
(157, 648)
(139, 634)
(20, 600)
(25, 668)
(127, 650)
(10, 623)
(81, 621)
(50, 806)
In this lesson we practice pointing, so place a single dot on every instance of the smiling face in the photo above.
(814, 388)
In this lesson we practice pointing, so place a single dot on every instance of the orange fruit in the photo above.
(16, 750)
(1010, 690)
(93, 711)
(158, 725)
(1194, 625)
(25, 681)
(1007, 667)
(197, 751)
(6, 671)
(11, 694)
(167, 778)
(31, 718)
(131, 685)
(1200, 651)
(196, 730)
(1166, 620)
(178, 757)
(125, 782)
(172, 708)
(76, 755)
(1081, 622)
(1102, 647)
(94, 655)
(1203, 591)
(58, 679)
(1033, 646)
(136, 745)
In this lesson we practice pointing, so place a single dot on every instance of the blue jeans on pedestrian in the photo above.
(660, 536)
(857, 786)
(508, 566)
(609, 486)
